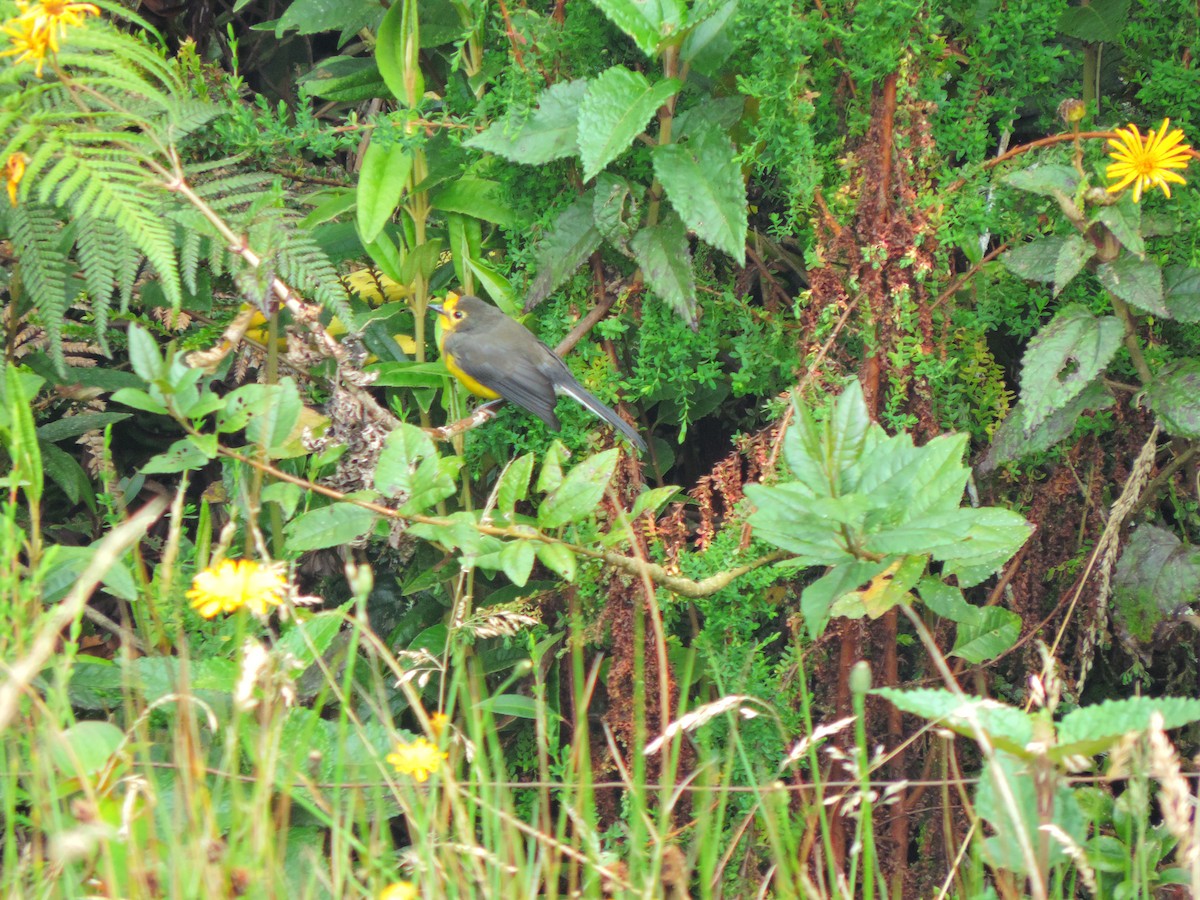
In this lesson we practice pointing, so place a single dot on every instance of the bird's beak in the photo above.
(437, 309)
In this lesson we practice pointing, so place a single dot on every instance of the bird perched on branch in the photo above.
(495, 357)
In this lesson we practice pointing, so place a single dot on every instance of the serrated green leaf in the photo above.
(1181, 293)
(329, 526)
(1013, 440)
(1099, 21)
(1009, 728)
(1124, 220)
(1051, 259)
(704, 183)
(402, 449)
(571, 240)
(1174, 396)
(1139, 282)
(551, 476)
(580, 492)
(1095, 728)
(615, 110)
(617, 209)
(1050, 180)
(1157, 576)
(386, 168)
(665, 257)
(994, 632)
(1067, 355)
(550, 132)
(646, 22)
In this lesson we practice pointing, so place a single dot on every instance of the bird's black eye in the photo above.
(458, 314)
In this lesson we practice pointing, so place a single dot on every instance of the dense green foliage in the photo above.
(918, 389)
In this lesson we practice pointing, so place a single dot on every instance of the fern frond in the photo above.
(97, 250)
(38, 244)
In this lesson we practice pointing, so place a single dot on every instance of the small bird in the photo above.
(496, 357)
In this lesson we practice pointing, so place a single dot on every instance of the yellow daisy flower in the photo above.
(234, 583)
(399, 890)
(27, 43)
(419, 759)
(54, 17)
(14, 171)
(1146, 162)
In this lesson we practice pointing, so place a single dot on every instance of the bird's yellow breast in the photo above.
(452, 367)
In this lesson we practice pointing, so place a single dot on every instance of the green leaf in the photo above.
(572, 239)
(1139, 282)
(1036, 804)
(183, 456)
(1014, 440)
(646, 22)
(550, 132)
(995, 631)
(308, 639)
(1157, 576)
(551, 476)
(818, 599)
(990, 538)
(409, 467)
(1174, 396)
(666, 259)
(139, 399)
(272, 425)
(1067, 355)
(1099, 21)
(314, 16)
(409, 374)
(85, 749)
(397, 45)
(652, 501)
(1009, 728)
(1051, 259)
(1124, 220)
(1181, 293)
(513, 484)
(558, 559)
(329, 526)
(1095, 728)
(147, 362)
(74, 426)
(1050, 180)
(580, 492)
(615, 110)
(345, 79)
(708, 43)
(516, 559)
(510, 705)
(386, 168)
(476, 197)
(704, 183)
(947, 601)
(617, 209)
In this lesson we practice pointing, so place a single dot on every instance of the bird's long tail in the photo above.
(576, 392)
